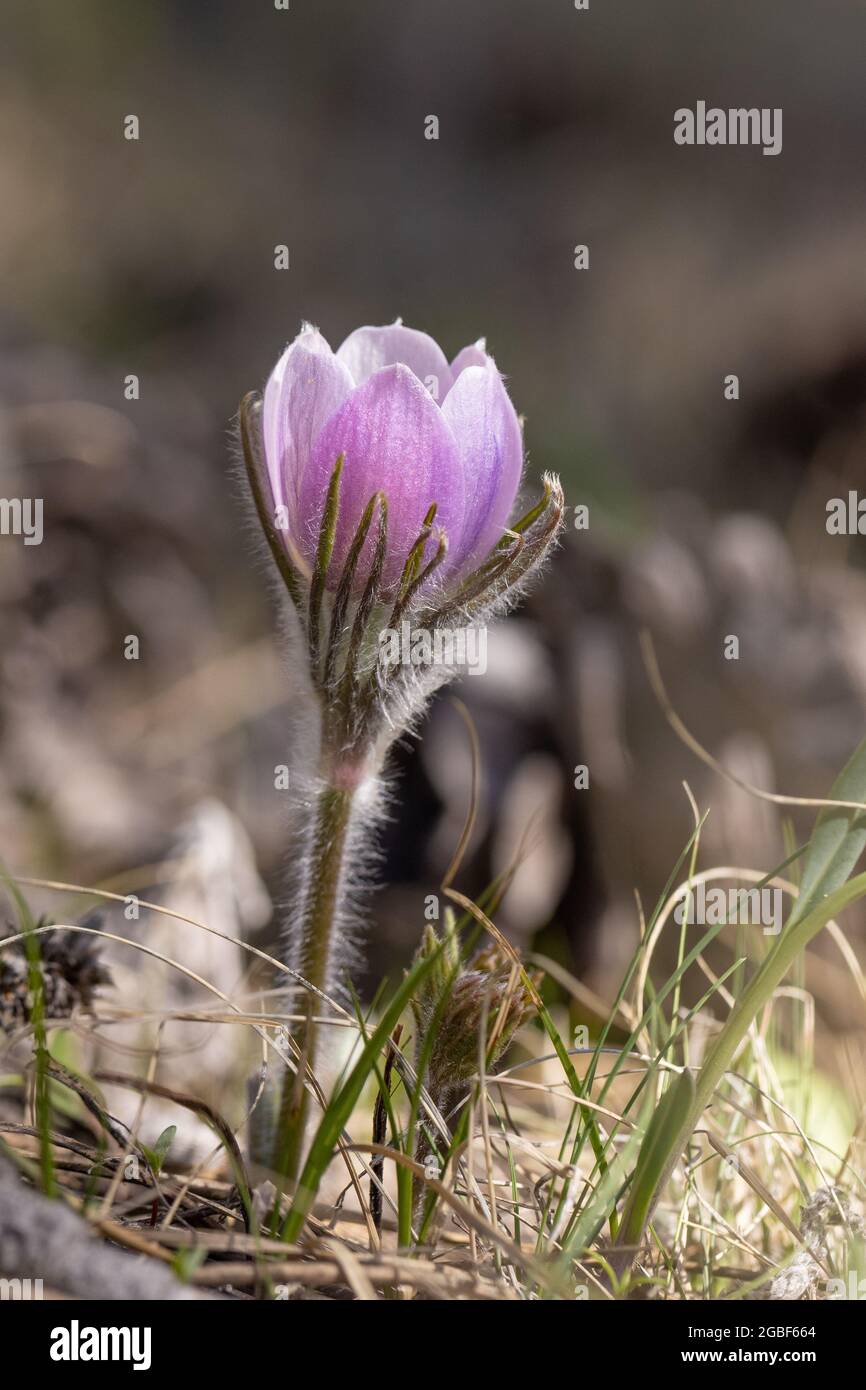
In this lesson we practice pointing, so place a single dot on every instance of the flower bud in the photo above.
(460, 1003)
(409, 425)
(384, 479)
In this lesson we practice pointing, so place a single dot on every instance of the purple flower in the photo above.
(408, 425)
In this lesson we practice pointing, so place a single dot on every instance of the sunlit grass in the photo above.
(693, 1147)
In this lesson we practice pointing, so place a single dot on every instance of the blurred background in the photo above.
(707, 516)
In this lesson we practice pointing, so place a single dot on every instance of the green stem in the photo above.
(314, 963)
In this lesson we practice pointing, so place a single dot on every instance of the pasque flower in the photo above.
(384, 479)
(406, 423)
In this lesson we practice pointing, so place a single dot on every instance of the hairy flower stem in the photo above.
(314, 963)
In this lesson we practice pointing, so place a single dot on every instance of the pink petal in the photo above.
(490, 444)
(395, 440)
(368, 350)
(474, 355)
(305, 388)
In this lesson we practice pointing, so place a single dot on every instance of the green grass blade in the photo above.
(837, 842)
(343, 1103)
(720, 1056)
(835, 846)
(36, 989)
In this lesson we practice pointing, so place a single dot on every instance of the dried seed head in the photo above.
(71, 969)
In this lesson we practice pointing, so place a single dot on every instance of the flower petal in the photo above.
(474, 355)
(368, 350)
(395, 440)
(490, 444)
(305, 388)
